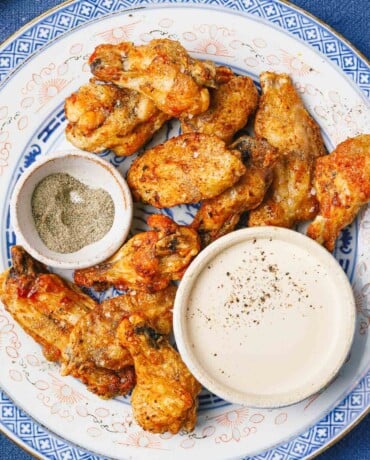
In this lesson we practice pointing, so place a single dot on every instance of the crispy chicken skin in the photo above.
(185, 169)
(219, 215)
(231, 105)
(283, 121)
(148, 261)
(43, 304)
(342, 183)
(161, 70)
(103, 116)
(94, 353)
(165, 395)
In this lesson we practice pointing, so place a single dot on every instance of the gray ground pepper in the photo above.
(70, 215)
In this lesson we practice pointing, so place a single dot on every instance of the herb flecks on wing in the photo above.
(148, 261)
(162, 70)
(165, 397)
(284, 122)
(185, 169)
(342, 183)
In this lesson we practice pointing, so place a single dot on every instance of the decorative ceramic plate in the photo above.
(57, 417)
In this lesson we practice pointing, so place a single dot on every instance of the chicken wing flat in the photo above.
(185, 169)
(165, 395)
(284, 122)
(231, 105)
(161, 70)
(219, 215)
(94, 353)
(148, 261)
(43, 304)
(342, 183)
(103, 116)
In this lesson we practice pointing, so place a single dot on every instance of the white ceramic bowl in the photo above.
(90, 170)
(264, 316)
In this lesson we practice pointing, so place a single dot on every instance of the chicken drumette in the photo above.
(342, 183)
(103, 116)
(232, 102)
(219, 215)
(165, 395)
(161, 70)
(94, 353)
(185, 169)
(284, 122)
(148, 261)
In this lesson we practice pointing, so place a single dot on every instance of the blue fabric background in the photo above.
(351, 18)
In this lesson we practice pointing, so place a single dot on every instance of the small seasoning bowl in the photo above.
(94, 172)
(264, 317)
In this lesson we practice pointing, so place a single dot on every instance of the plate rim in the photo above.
(148, 3)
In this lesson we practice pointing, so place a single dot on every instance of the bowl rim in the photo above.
(79, 262)
(198, 265)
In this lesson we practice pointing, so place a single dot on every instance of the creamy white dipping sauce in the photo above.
(264, 316)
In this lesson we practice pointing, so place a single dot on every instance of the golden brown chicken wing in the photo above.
(284, 122)
(219, 215)
(95, 355)
(231, 105)
(185, 169)
(165, 395)
(342, 183)
(103, 116)
(161, 70)
(43, 304)
(148, 261)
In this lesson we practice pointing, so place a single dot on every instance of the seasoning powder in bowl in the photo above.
(264, 317)
(71, 210)
(70, 215)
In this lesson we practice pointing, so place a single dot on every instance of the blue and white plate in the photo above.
(56, 417)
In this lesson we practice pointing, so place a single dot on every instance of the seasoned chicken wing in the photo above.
(231, 105)
(219, 215)
(43, 304)
(148, 261)
(284, 122)
(94, 353)
(165, 395)
(103, 116)
(161, 70)
(185, 169)
(342, 183)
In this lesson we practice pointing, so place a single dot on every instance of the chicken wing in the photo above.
(95, 355)
(185, 169)
(165, 395)
(161, 70)
(44, 305)
(148, 261)
(342, 183)
(284, 122)
(219, 215)
(103, 116)
(231, 105)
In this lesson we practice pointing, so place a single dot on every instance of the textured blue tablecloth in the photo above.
(351, 18)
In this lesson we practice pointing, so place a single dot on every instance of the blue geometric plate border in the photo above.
(16, 423)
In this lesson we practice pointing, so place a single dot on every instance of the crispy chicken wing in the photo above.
(103, 116)
(148, 261)
(161, 70)
(219, 215)
(283, 121)
(95, 355)
(231, 105)
(342, 183)
(165, 395)
(185, 169)
(44, 305)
